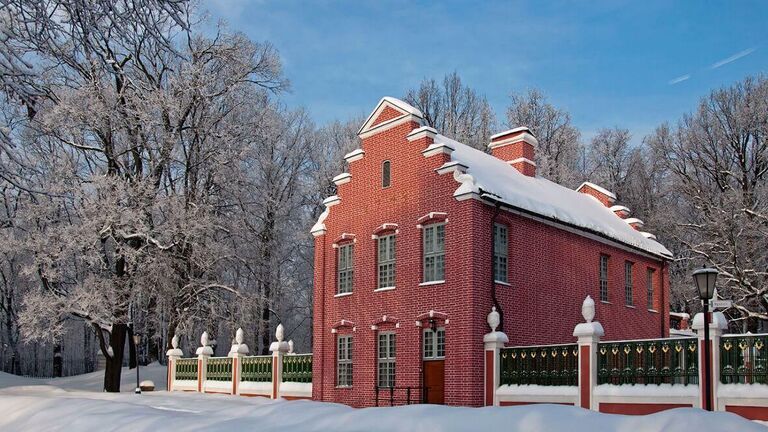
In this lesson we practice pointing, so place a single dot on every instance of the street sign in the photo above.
(721, 304)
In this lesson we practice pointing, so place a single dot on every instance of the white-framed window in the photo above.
(649, 286)
(345, 269)
(344, 361)
(500, 250)
(386, 261)
(604, 278)
(386, 174)
(386, 360)
(434, 252)
(434, 344)
(628, 282)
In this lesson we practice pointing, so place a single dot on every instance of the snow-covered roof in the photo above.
(485, 174)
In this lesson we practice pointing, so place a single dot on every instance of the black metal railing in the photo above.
(297, 368)
(658, 361)
(548, 365)
(393, 396)
(186, 369)
(744, 359)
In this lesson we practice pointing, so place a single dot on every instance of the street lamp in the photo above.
(137, 341)
(705, 282)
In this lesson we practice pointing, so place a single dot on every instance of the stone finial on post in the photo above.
(717, 324)
(290, 347)
(494, 342)
(588, 334)
(203, 353)
(173, 354)
(278, 348)
(237, 352)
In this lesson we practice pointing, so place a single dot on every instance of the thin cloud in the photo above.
(733, 58)
(679, 79)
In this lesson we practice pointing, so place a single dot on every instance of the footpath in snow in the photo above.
(76, 404)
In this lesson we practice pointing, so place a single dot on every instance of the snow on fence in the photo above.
(282, 374)
(630, 377)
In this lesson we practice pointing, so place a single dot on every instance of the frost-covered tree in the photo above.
(454, 109)
(559, 151)
(717, 158)
(132, 145)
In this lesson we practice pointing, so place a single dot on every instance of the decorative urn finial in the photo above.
(175, 342)
(280, 333)
(239, 336)
(204, 339)
(290, 346)
(588, 309)
(493, 319)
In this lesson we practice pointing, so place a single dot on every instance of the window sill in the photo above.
(383, 289)
(502, 283)
(344, 387)
(437, 282)
(605, 302)
(343, 295)
(630, 306)
(653, 311)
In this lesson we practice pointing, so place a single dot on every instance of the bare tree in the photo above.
(559, 149)
(717, 158)
(455, 110)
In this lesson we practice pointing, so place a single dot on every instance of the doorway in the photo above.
(433, 353)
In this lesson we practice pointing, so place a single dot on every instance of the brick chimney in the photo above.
(606, 197)
(516, 147)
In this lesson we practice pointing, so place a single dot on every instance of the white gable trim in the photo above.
(389, 124)
(394, 103)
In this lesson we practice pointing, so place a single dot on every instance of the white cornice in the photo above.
(522, 160)
(389, 124)
(525, 137)
(600, 189)
(354, 155)
(419, 133)
(510, 131)
(452, 166)
(342, 178)
(437, 148)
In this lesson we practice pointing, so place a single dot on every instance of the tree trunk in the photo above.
(58, 365)
(115, 361)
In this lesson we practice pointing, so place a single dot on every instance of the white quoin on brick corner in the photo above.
(273, 376)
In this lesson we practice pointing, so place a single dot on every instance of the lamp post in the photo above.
(137, 341)
(705, 282)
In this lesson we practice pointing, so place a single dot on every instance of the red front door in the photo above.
(434, 381)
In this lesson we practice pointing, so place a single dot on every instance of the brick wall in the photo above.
(550, 272)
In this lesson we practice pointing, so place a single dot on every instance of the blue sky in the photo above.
(632, 64)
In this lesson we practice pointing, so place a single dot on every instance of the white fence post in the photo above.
(173, 354)
(717, 324)
(494, 342)
(278, 348)
(203, 353)
(589, 334)
(237, 352)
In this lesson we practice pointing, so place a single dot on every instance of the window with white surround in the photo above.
(344, 269)
(628, 282)
(386, 261)
(434, 344)
(386, 174)
(434, 252)
(649, 287)
(604, 278)
(500, 250)
(386, 360)
(344, 361)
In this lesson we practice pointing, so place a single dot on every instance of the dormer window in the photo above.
(386, 175)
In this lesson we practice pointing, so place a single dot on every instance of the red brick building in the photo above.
(426, 235)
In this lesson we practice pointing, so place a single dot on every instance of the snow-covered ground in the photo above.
(76, 404)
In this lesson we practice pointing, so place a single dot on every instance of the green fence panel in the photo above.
(219, 369)
(297, 368)
(186, 369)
(659, 361)
(744, 359)
(550, 365)
(256, 369)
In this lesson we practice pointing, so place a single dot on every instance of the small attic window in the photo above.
(386, 176)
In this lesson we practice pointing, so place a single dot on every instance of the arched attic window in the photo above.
(386, 174)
